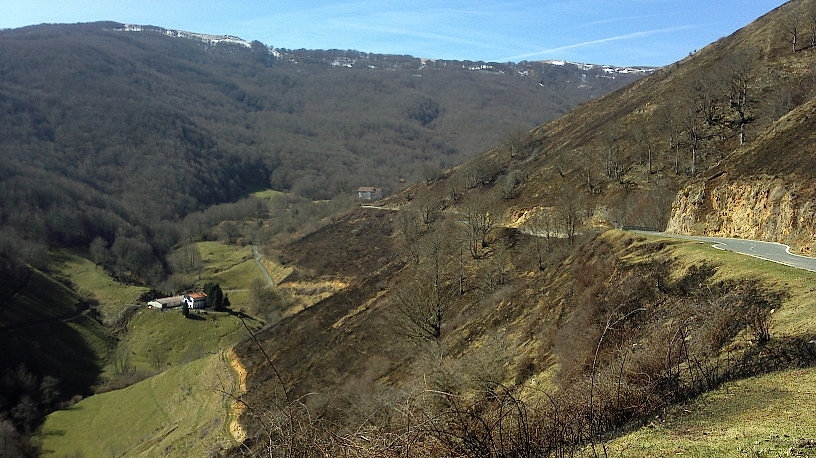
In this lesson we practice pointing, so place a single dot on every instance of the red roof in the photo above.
(197, 295)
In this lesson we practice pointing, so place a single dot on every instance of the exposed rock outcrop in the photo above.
(762, 207)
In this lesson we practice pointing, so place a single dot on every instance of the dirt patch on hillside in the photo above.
(237, 406)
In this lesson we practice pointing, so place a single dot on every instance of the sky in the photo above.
(617, 32)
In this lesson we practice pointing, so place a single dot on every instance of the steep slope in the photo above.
(763, 191)
(493, 320)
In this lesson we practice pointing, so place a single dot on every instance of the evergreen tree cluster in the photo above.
(216, 299)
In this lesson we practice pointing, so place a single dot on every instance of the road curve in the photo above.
(769, 251)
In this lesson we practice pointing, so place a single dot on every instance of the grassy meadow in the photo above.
(181, 408)
(157, 340)
(231, 266)
(765, 416)
(92, 281)
(180, 412)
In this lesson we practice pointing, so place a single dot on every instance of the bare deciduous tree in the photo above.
(569, 214)
(516, 141)
(422, 301)
(231, 230)
(792, 24)
(740, 100)
(187, 259)
(673, 127)
(542, 226)
(478, 221)
(158, 357)
(612, 143)
(694, 136)
(646, 142)
(585, 169)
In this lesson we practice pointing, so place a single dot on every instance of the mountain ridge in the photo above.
(490, 308)
(283, 53)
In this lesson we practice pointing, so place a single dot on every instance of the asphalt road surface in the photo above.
(769, 251)
(258, 256)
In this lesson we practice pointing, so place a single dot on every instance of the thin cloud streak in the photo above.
(584, 44)
(421, 34)
(618, 20)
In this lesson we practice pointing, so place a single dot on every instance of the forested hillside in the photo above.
(115, 133)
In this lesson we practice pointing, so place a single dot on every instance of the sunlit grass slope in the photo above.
(765, 416)
(798, 313)
(180, 412)
(92, 280)
(157, 340)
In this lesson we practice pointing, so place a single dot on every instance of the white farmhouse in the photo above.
(196, 300)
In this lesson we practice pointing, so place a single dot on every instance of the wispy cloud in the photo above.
(584, 44)
(421, 34)
(619, 19)
(441, 31)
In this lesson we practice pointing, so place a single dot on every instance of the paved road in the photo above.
(769, 251)
(258, 256)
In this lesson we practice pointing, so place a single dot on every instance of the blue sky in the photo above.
(621, 32)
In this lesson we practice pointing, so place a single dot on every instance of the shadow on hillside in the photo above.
(780, 353)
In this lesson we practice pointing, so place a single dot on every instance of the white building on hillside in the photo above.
(196, 300)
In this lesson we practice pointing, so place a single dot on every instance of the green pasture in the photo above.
(157, 340)
(93, 281)
(268, 194)
(180, 412)
(232, 266)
